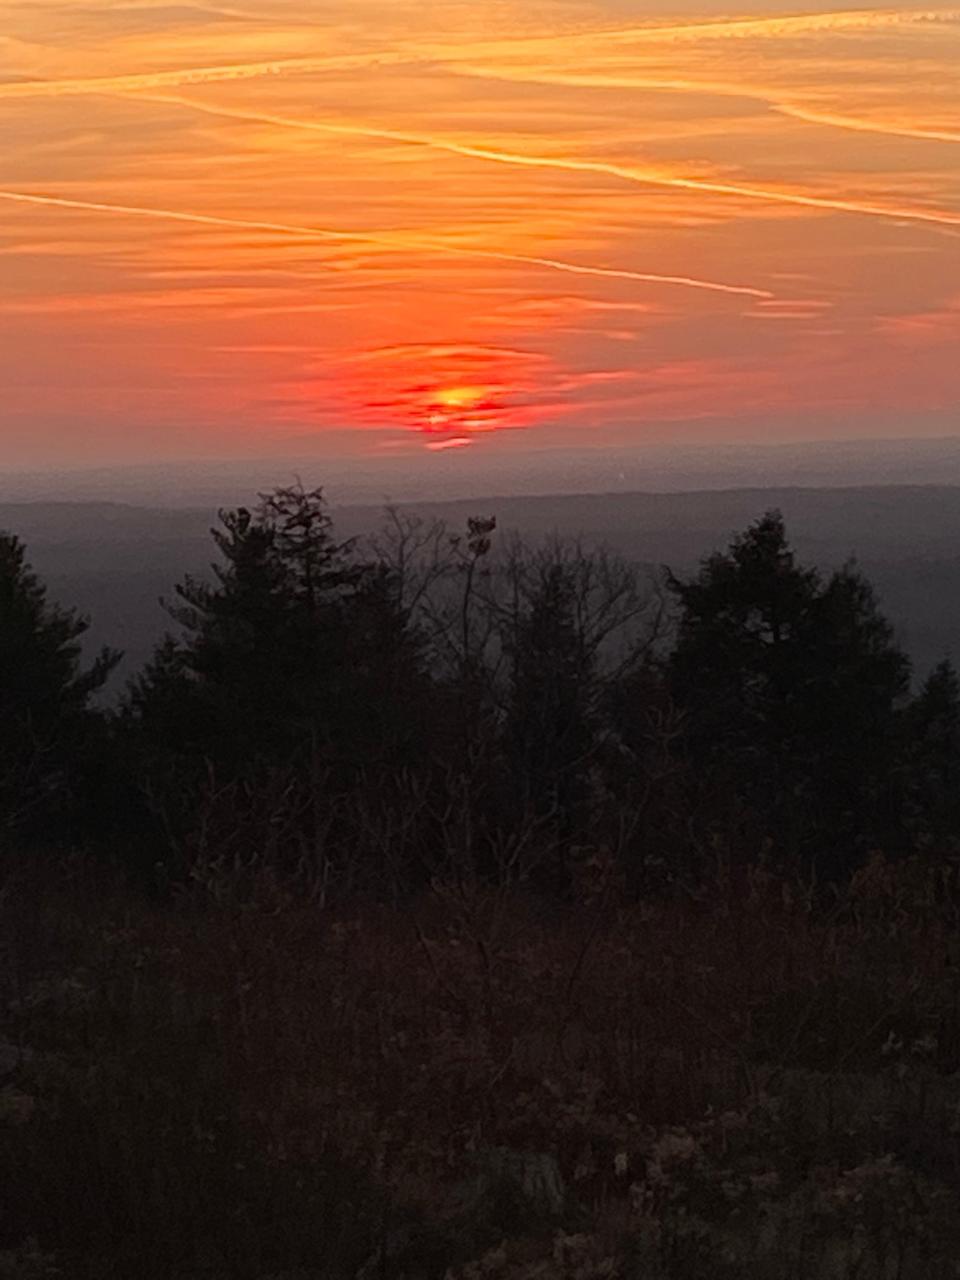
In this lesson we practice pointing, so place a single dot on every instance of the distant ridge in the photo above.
(501, 466)
(115, 559)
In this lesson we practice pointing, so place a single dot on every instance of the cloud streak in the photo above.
(220, 74)
(835, 120)
(382, 215)
(623, 173)
(768, 28)
(385, 241)
(790, 25)
(770, 98)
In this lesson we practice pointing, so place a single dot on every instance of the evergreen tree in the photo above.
(265, 644)
(387, 704)
(931, 765)
(297, 666)
(233, 644)
(46, 724)
(790, 686)
(549, 734)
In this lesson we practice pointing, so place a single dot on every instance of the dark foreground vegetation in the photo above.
(434, 908)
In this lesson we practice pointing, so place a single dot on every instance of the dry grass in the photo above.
(480, 1084)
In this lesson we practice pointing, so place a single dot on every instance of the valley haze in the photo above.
(114, 559)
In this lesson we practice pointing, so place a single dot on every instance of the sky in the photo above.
(394, 228)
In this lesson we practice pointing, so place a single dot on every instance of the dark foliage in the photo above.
(50, 738)
(342, 712)
(931, 762)
(791, 685)
(489, 942)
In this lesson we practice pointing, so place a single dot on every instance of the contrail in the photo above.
(799, 24)
(844, 19)
(833, 204)
(827, 118)
(451, 54)
(193, 75)
(134, 85)
(396, 243)
(768, 97)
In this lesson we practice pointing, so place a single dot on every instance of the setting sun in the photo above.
(365, 225)
(459, 397)
(462, 409)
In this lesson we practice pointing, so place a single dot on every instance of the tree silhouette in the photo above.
(931, 766)
(45, 718)
(297, 674)
(427, 693)
(265, 644)
(549, 734)
(790, 685)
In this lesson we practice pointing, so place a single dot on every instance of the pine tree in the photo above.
(45, 715)
(790, 686)
(232, 642)
(297, 672)
(931, 763)
(548, 732)
(263, 645)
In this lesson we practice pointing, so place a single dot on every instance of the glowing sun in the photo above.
(459, 408)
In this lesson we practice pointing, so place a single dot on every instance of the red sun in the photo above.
(451, 394)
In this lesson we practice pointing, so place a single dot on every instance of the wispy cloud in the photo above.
(890, 129)
(395, 243)
(394, 218)
(220, 74)
(623, 173)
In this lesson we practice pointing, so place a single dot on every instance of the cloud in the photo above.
(502, 224)
(455, 442)
(624, 173)
(419, 351)
(127, 20)
(924, 328)
(384, 240)
(779, 26)
(220, 74)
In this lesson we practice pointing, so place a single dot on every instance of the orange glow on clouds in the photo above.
(447, 393)
(374, 224)
(453, 442)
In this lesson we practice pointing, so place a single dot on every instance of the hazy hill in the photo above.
(114, 561)
(507, 465)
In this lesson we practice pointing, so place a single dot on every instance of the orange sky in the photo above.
(379, 225)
